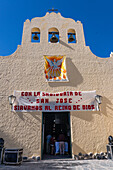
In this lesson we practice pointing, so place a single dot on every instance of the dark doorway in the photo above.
(53, 124)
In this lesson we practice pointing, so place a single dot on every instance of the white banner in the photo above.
(32, 101)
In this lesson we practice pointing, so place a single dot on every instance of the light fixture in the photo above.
(98, 99)
(110, 139)
(11, 99)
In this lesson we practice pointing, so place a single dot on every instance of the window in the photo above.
(35, 35)
(71, 36)
(53, 35)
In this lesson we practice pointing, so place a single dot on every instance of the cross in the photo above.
(52, 9)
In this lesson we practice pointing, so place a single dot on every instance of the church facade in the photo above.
(56, 80)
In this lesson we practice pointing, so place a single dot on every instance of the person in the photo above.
(52, 145)
(61, 143)
(48, 138)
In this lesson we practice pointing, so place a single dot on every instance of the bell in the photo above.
(35, 37)
(54, 39)
(71, 38)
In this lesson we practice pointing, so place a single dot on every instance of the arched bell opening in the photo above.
(35, 35)
(71, 36)
(53, 35)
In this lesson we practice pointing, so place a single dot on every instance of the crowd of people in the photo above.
(59, 146)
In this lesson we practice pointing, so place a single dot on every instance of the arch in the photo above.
(35, 35)
(53, 32)
(71, 31)
(71, 36)
(53, 29)
(35, 29)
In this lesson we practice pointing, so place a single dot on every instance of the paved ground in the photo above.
(58, 164)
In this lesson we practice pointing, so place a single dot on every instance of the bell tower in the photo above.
(53, 28)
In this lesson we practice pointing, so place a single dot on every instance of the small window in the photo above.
(35, 35)
(53, 35)
(71, 36)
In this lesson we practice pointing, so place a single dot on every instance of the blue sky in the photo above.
(96, 16)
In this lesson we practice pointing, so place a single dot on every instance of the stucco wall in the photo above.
(24, 71)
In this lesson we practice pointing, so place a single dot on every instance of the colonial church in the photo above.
(55, 84)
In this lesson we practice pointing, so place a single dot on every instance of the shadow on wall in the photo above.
(66, 45)
(34, 114)
(16, 139)
(85, 115)
(77, 149)
(74, 76)
(12, 141)
(20, 115)
(106, 103)
(88, 115)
